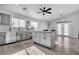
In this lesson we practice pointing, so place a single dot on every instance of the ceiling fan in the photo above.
(44, 10)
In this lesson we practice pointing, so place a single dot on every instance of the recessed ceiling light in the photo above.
(16, 4)
(61, 11)
(24, 8)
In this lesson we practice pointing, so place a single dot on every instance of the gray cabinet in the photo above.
(28, 35)
(24, 35)
(18, 36)
(2, 37)
(36, 37)
(4, 19)
(44, 38)
(47, 38)
(10, 37)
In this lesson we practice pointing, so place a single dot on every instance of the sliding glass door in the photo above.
(66, 29)
(59, 29)
(63, 29)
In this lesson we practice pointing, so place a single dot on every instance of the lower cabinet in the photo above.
(10, 37)
(13, 36)
(22, 35)
(36, 37)
(44, 38)
(1, 40)
(2, 37)
(47, 38)
(18, 36)
(28, 35)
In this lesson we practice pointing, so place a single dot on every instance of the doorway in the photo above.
(63, 28)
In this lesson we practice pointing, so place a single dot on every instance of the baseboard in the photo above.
(74, 37)
(13, 42)
(68, 36)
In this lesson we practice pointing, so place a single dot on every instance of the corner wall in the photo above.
(74, 18)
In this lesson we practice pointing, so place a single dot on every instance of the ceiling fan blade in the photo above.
(39, 12)
(48, 9)
(41, 9)
(49, 12)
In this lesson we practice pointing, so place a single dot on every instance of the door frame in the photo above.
(63, 28)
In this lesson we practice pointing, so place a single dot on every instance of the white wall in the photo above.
(74, 18)
(41, 24)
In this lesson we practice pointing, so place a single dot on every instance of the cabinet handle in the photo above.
(44, 38)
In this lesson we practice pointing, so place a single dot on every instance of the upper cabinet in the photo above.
(4, 19)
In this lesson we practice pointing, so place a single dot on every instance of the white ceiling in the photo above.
(32, 9)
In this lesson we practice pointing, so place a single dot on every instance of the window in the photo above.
(22, 23)
(15, 22)
(18, 23)
(34, 25)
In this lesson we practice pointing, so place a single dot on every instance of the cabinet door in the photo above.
(28, 35)
(18, 36)
(0, 18)
(53, 38)
(24, 36)
(36, 37)
(10, 37)
(1, 40)
(42, 39)
(2, 37)
(13, 36)
(5, 19)
(47, 38)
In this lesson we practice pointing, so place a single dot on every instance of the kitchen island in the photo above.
(45, 38)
